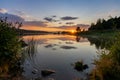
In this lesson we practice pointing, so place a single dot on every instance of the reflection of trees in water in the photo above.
(80, 38)
(107, 67)
(101, 42)
(77, 38)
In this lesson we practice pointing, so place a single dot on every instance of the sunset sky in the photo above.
(55, 15)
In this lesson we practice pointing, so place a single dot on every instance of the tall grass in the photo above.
(108, 65)
(30, 49)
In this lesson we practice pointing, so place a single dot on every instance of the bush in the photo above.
(10, 48)
(108, 65)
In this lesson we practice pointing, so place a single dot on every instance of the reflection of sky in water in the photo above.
(59, 52)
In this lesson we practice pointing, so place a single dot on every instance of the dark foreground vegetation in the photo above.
(10, 51)
(106, 36)
(102, 28)
(102, 24)
(107, 66)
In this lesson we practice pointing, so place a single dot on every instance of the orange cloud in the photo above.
(41, 28)
(60, 28)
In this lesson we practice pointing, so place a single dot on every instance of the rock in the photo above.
(85, 66)
(79, 66)
(34, 71)
(47, 72)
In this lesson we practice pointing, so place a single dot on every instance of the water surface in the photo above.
(59, 53)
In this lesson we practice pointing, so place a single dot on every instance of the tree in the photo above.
(78, 30)
(110, 24)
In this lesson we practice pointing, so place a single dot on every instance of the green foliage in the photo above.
(108, 64)
(9, 41)
(78, 30)
(115, 50)
(101, 42)
(10, 48)
(110, 24)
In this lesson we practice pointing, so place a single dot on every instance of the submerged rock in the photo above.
(85, 66)
(79, 66)
(47, 72)
(34, 71)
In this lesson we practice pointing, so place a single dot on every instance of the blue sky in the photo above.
(87, 11)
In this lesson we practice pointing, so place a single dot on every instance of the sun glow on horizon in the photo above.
(72, 31)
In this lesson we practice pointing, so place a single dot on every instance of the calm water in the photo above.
(58, 53)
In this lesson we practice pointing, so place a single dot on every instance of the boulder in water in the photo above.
(47, 72)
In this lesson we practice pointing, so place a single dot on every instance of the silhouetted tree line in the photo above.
(102, 24)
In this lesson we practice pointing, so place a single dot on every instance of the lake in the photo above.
(58, 53)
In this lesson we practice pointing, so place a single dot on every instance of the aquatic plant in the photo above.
(31, 47)
(80, 66)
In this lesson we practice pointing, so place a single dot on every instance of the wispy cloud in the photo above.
(51, 19)
(35, 23)
(25, 15)
(69, 18)
(82, 25)
(2, 10)
(68, 27)
(22, 18)
(69, 23)
(54, 16)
